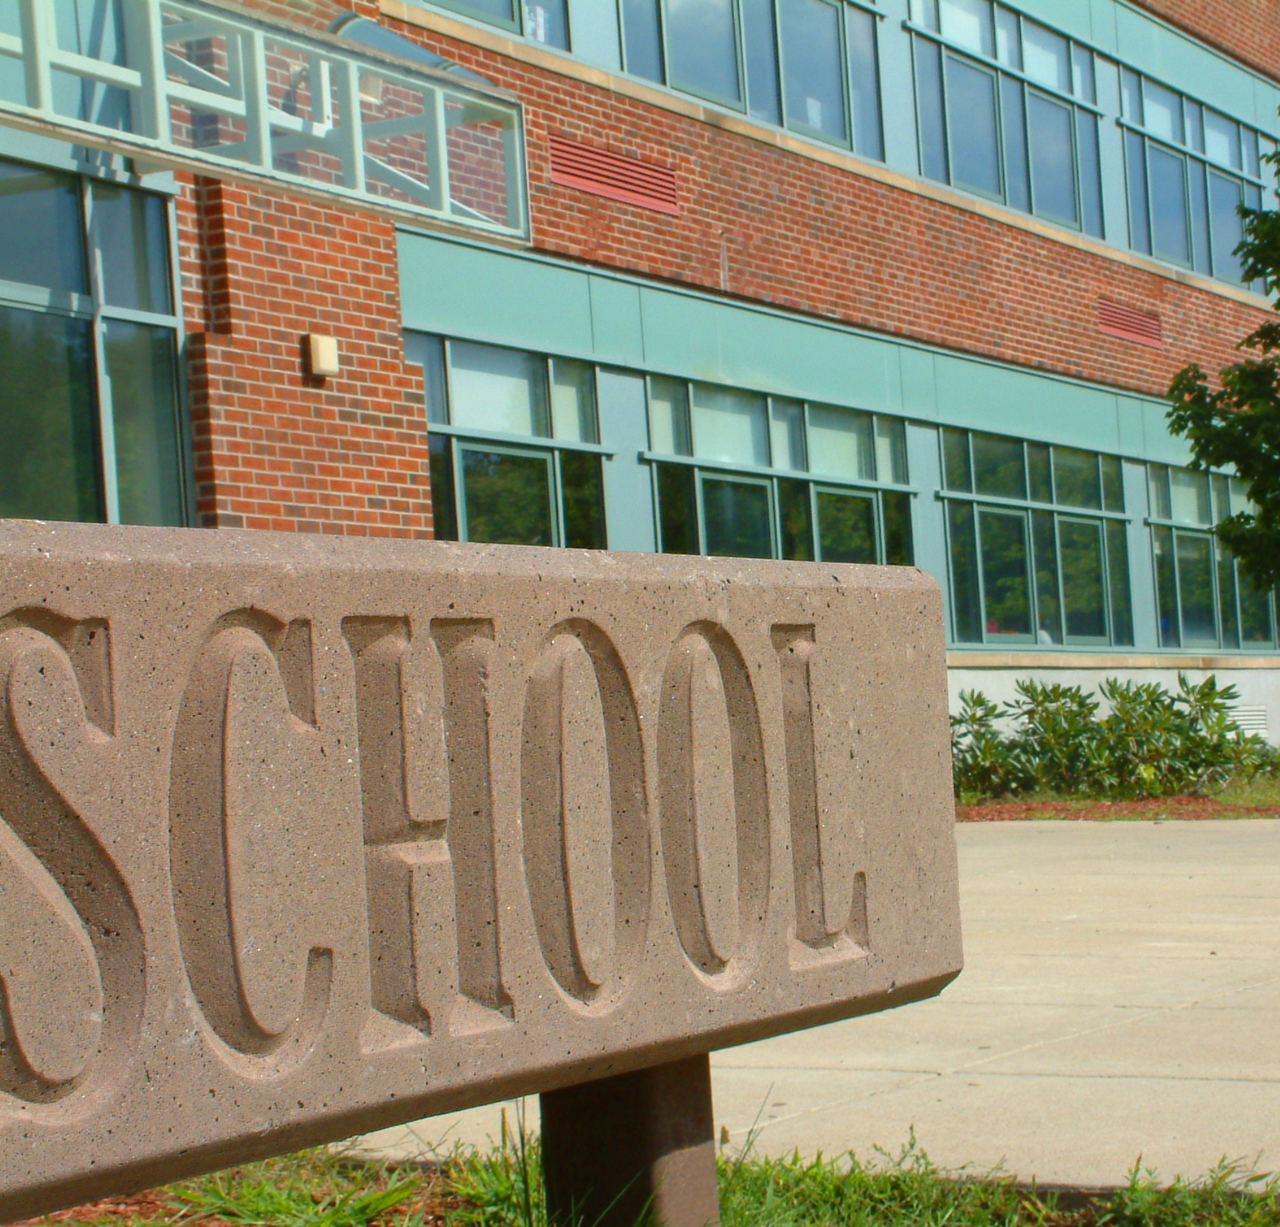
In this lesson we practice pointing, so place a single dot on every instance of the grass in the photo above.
(1233, 801)
(502, 1188)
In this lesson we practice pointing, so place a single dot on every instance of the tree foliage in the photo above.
(1237, 424)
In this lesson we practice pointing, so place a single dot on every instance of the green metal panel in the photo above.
(593, 30)
(617, 334)
(1157, 442)
(897, 91)
(1115, 211)
(1141, 565)
(1074, 18)
(1131, 417)
(628, 491)
(927, 525)
(1102, 24)
(487, 295)
(918, 381)
(1013, 402)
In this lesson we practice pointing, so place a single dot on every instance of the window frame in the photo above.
(815, 481)
(91, 307)
(1029, 507)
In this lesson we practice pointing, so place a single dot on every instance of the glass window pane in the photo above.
(669, 416)
(1044, 57)
(428, 352)
(764, 100)
(736, 518)
(898, 548)
(1195, 124)
(965, 603)
(1083, 585)
(797, 520)
(841, 442)
(968, 24)
(1112, 483)
(955, 460)
(547, 21)
(1131, 96)
(1158, 489)
(786, 433)
(503, 390)
(583, 492)
(1017, 182)
(1008, 39)
(702, 47)
(130, 231)
(813, 76)
(1240, 500)
(1118, 577)
(1189, 497)
(729, 425)
(1075, 477)
(1005, 592)
(891, 450)
(1053, 165)
(140, 366)
(41, 240)
(1168, 173)
(1225, 225)
(677, 509)
(925, 13)
(1082, 74)
(929, 114)
(1090, 172)
(49, 463)
(971, 106)
(444, 511)
(501, 9)
(642, 39)
(1166, 587)
(998, 466)
(1048, 605)
(507, 497)
(1249, 139)
(1255, 617)
(846, 527)
(1221, 497)
(1135, 157)
(864, 76)
(1162, 111)
(1221, 139)
(1038, 470)
(1199, 193)
(1195, 588)
(1227, 614)
(573, 400)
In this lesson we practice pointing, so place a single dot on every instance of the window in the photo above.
(747, 475)
(514, 444)
(1202, 598)
(1189, 169)
(88, 352)
(1007, 109)
(1037, 542)
(808, 65)
(544, 21)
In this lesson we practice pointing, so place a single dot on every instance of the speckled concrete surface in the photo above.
(1121, 998)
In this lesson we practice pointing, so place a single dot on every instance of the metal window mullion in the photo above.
(38, 42)
(698, 511)
(349, 136)
(459, 490)
(145, 40)
(513, 168)
(555, 481)
(101, 375)
(846, 91)
(253, 59)
(782, 65)
(982, 581)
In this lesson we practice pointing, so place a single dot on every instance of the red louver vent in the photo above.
(612, 175)
(1130, 325)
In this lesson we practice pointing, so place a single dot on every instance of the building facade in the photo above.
(900, 281)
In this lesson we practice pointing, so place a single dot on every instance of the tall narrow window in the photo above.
(642, 39)
(702, 48)
(759, 36)
(813, 75)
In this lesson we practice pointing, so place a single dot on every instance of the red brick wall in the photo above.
(276, 448)
(1249, 30)
(809, 237)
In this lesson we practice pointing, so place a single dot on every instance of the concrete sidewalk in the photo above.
(1121, 998)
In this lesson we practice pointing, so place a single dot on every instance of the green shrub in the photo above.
(1150, 743)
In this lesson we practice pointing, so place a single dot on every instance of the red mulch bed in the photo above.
(1177, 809)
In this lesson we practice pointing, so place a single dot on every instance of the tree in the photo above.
(1237, 425)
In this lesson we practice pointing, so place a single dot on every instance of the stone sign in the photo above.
(302, 837)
